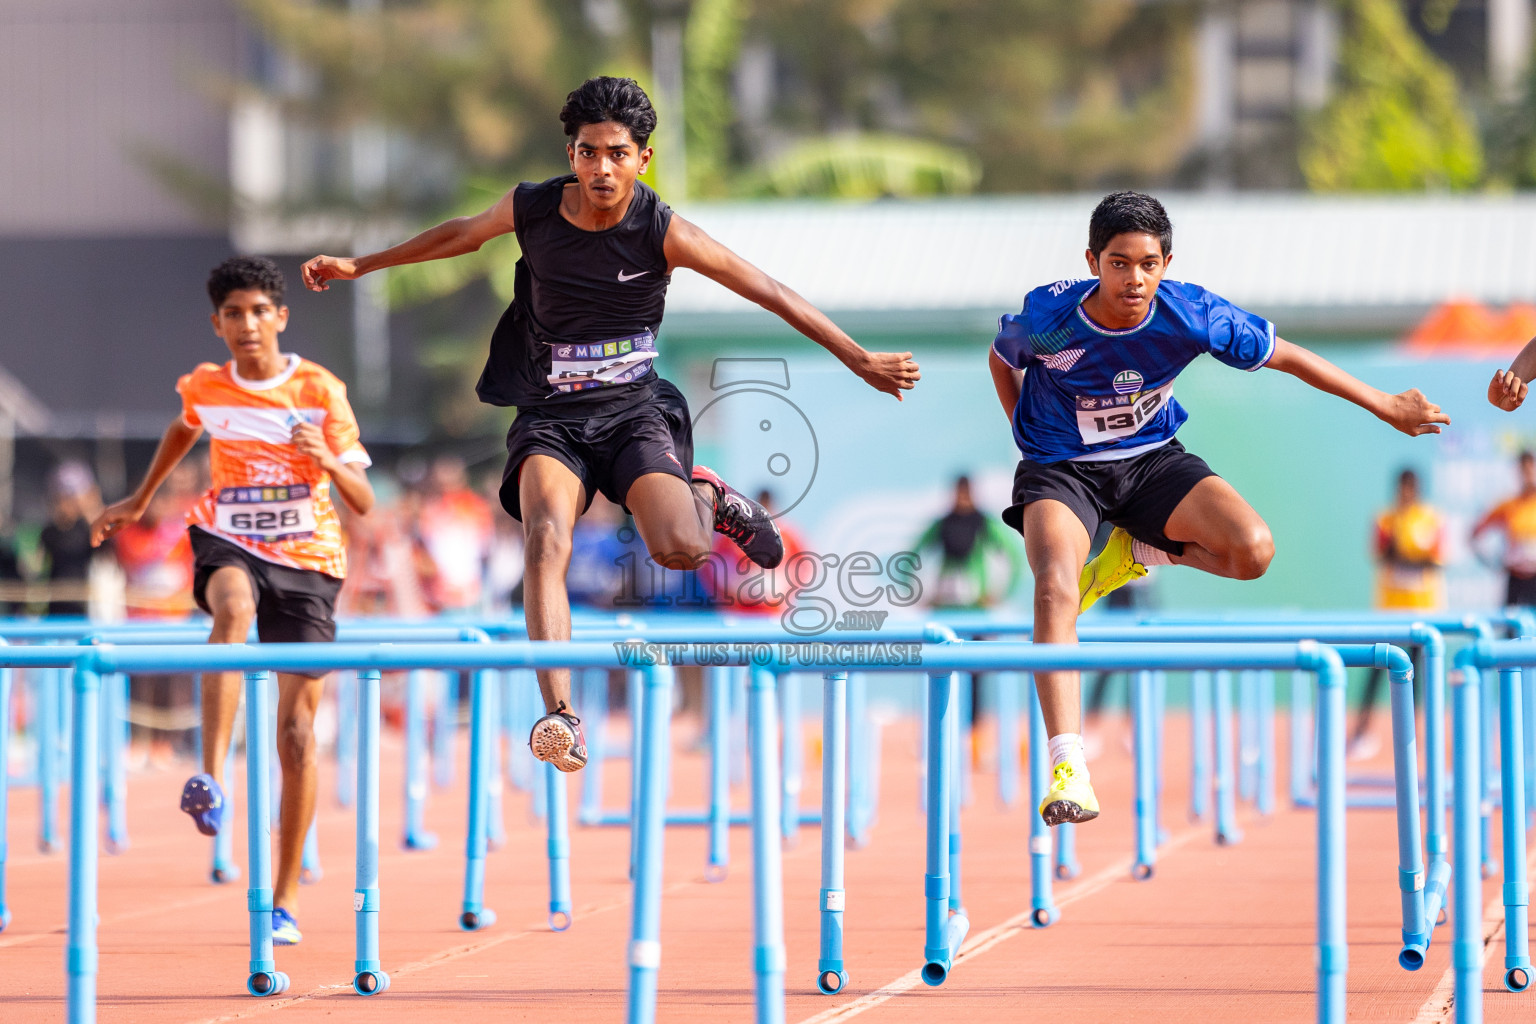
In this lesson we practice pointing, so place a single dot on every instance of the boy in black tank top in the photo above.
(573, 353)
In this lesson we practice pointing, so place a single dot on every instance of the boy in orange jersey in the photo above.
(1516, 517)
(266, 539)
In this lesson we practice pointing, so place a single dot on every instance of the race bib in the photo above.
(1117, 416)
(602, 363)
(266, 513)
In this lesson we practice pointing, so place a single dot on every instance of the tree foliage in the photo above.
(1396, 122)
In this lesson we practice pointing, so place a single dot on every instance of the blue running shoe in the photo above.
(202, 798)
(285, 930)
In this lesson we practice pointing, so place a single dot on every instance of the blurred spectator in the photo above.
(455, 529)
(595, 574)
(388, 569)
(504, 560)
(1409, 545)
(155, 555)
(73, 501)
(12, 582)
(974, 548)
(1516, 516)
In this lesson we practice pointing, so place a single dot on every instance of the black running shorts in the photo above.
(293, 606)
(1137, 494)
(1521, 592)
(608, 448)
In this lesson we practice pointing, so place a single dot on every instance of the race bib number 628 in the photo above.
(266, 513)
(1118, 416)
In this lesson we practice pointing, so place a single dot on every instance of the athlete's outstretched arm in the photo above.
(177, 440)
(1008, 381)
(688, 246)
(1508, 387)
(350, 478)
(450, 238)
(1409, 412)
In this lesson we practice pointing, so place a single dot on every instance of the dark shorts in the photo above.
(609, 448)
(1137, 494)
(1521, 592)
(293, 606)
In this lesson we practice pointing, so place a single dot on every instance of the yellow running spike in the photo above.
(1113, 569)
(1070, 798)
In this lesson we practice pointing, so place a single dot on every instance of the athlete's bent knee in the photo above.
(677, 553)
(1253, 553)
(1056, 595)
(547, 544)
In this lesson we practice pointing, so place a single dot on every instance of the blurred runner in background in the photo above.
(1409, 547)
(1516, 517)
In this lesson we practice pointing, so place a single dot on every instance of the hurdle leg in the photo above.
(1266, 780)
(1467, 904)
(224, 867)
(1142, 711)
(445, 723)
(1436, 845)
(1517, 953)
(1005, 689)
(310, 870)
(648, 832)
(1043, 909)
(718, 862)
(1247, 736)
(81, 956)
(114, 726)
(496, 823)
(1301, 740)
(346, 737)
(965, 693)
(1410, 873)
(265, 979)
(1200, 745)
(1528, 683)
(636, 695)
(1067, 867)
(559, 848)
(1159, 706)
(860, 760)
(958, 753)
(416, 761)
(474, 915)
(1332, 940)
(794, 757)
(594, 707)
(1490, 709)
(1227, 832)
(831, 974)
(368, 972)
(5, 761)
(767, 858)
(48, 684)
(943, 932)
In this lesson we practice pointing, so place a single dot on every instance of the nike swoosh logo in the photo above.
(630, 277)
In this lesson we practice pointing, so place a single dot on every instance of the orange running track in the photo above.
(1220, 934)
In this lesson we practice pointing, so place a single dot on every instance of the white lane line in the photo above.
(1437, 1009)
(981, 942)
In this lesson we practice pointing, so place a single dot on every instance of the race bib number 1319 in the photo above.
(1115, 417)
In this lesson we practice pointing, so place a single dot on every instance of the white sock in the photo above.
(1068, 747)
(1148, 555)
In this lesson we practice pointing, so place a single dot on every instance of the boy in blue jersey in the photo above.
(1085, 373)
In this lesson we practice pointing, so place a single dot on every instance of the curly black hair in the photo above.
(239, 272)
(621, 100)
(1122, 213)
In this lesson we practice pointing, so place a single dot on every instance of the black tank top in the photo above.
(586, 305)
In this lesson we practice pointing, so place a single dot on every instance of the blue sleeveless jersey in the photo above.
(1094, 394)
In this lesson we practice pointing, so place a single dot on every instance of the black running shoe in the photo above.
(557, 738)
(744, 521)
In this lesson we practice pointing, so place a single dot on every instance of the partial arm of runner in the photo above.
(350, 478)
(1008, 381)
(177, 440)
(450, 238)
(1508, 387)
(688, 246)
(1409, 412)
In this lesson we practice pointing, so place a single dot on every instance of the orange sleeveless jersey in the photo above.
(267, 496)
